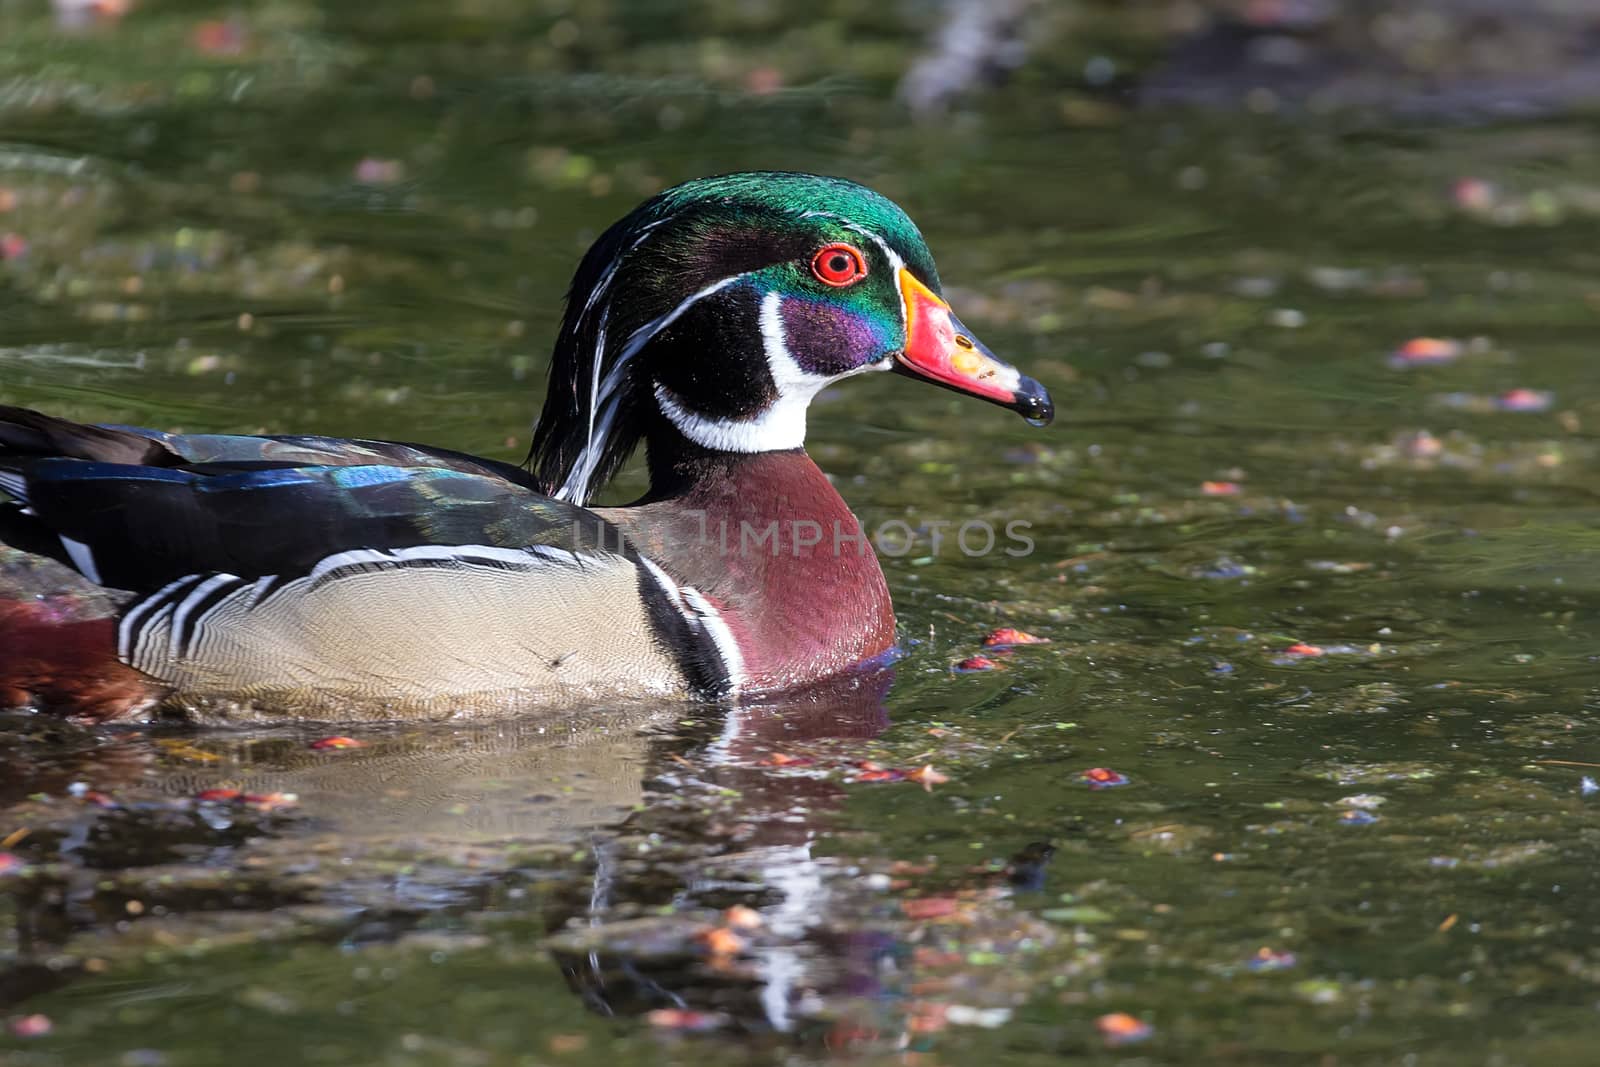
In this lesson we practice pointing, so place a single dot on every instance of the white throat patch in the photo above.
(782, 424)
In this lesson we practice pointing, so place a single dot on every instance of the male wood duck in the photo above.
(327, 578)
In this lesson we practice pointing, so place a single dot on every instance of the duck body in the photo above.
(316, 577)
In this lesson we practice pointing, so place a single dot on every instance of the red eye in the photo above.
(839, 265)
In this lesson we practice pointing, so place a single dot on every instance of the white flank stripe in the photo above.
(190, 602)
(520, 557)
(717, 628)
(666, 583)
(82, 557)
(129, 628)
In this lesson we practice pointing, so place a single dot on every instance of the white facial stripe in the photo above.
(782, 424)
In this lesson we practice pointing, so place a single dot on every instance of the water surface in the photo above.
(1332, 614)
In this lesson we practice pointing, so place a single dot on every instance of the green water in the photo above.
(1209, 298)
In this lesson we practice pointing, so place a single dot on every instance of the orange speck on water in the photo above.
(1219, 488)
(1428, 350)
(1120, 1028)
(1103, 778)
(1300, 648)
(922, 908)
(927, 777)
(682, 1019)
(778, 759)
(1008, 636)
(338, 741)
(722, 941)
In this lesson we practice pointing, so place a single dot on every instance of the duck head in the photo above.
(710, 317)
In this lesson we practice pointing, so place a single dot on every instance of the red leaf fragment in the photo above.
(218, 795)
(721, 941)
(886, 775)
(1220, 489)
(1119, 1028)
(1426, 350)
(1006, 636)
(99, 799)
(336, 742)
(270, 801)
(1103, 778)
(11, 863)
(692, 1022)
(1525, 400)
(977, 663)
(218, 37)
(922, 908)
(34, 1025)
(1300, 648)
(778, 759)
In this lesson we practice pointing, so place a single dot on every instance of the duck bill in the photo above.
(942, 351)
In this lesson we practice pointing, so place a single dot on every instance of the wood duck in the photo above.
(328, 578)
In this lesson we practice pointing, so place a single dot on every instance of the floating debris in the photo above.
(1220, 489)
(1475, 196)
(1300, 648)
(13, 246)
(741, 917)
(1587, 787)
(258, 801)
(372, 171)
(219, 37)
(976, 663)
(1357, 817)
(874, 772)
(1119, 1028)
(1268, 959)
(686, 1021)
(1103, 778)
(336, 742)
(721, 942)
(34, 1025)
(1426, 351)
(966, 1015)
(1525, 400)
(927, 777)
(778, 759)
(922, 909)
(1005, 637)
(11, 863)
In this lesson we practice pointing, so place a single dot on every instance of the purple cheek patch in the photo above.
(827, 339)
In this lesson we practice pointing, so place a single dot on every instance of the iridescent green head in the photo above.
(719, 308)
